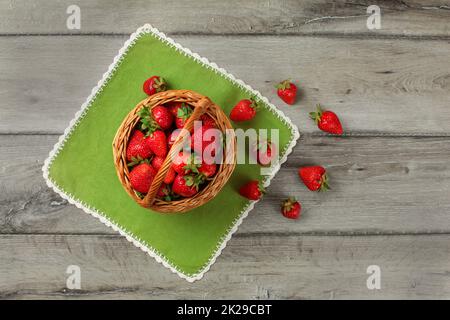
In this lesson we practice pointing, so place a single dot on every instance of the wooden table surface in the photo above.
(390, 173)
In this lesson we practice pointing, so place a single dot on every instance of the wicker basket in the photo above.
(201, 104)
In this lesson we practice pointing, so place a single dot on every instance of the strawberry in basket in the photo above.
(150, 131)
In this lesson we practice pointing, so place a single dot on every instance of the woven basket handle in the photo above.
(199, 108)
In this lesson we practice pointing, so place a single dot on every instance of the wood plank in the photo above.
(256, 267)
(379, 185)
(410, 17)
(374, 85)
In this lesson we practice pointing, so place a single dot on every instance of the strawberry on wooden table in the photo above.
(291, 208)
(314, 177)
(327, 121)
(137, 148)
(153, 85)
(244, 110)
(162, 117)
(252, 190)
(141, 177)
(287, 91)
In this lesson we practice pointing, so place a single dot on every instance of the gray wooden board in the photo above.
(379, 185)
(389, 205)
(404, 18)
(394, 86)
(251, 267)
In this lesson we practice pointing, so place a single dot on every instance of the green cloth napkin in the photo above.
(80, 167)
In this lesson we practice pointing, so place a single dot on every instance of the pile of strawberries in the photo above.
(151, 140)
(158, 129)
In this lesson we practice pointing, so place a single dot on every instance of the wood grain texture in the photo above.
(394, 86)
(379, 185)
(256, 267)
(389, 201)
(410, 17)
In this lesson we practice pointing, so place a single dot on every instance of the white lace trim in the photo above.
(148, 29)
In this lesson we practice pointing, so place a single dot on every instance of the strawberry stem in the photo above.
(184, 112)
(147, 122)
(288, 204)
(283, 85)
(255, 104)
(160, 84)
(261, 187)
(324, 186)
(316, 115)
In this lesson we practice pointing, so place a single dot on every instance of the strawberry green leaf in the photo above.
(283, 85)
(147, 121)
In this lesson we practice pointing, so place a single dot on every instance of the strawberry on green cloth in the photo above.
(244, 110)
(153, 85)
(252, 190)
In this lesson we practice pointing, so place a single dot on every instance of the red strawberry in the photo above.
(173, 107)
(181, 111)
(327, 121)
(157, 162)
(163, 117)
(252, 190)
(314, 178)
(207, 120)
(172, 137)
(162, 191)
(183, 163)
(291, 208)
(287, 91)
(153, 85)
(185, 186)
(265, 152)
(141, 177)
(170, 176)
(207, 170)
(244, 110)
(158, 143)
(137, 147)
